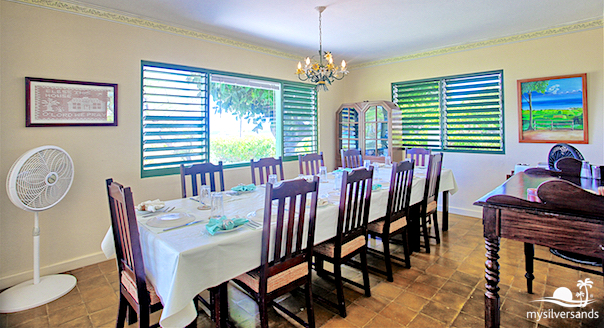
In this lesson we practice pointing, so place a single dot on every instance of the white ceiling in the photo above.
(359, 30)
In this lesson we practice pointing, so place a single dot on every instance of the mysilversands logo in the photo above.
(564, 297)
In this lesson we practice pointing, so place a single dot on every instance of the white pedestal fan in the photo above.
(37, 181)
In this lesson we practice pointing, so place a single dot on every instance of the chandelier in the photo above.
(321, 73)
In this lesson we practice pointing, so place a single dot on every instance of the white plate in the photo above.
(231, 230)
(169, 220)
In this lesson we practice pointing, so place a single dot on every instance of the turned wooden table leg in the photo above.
(492, 302)
(529, 255)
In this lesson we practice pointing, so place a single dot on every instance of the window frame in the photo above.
(442, 111)
(293, 92)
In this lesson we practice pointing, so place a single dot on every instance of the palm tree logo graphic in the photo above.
(564, 297)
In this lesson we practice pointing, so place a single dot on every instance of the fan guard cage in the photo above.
(562, 150)
(43, 178)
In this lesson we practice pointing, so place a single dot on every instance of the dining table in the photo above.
(539, 207)
(183, 262)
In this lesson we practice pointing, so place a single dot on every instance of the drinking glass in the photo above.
(387, 160)
(367, 163)
(205, 198)
(272, 178)
(338, 182)
(217, 205)
(323, 174)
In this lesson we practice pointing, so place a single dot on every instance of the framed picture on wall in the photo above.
(553, 109)
(69, 103)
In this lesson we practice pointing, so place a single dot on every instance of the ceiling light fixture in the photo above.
(321, 73)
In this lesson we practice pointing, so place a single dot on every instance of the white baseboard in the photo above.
(55, 268)
(473, 212)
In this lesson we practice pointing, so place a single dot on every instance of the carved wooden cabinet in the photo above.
(374, 127)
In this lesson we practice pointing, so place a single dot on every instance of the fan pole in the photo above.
(36, 234)
(38, 291)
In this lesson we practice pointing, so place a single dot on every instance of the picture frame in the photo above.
(51, 102)
(553, 109)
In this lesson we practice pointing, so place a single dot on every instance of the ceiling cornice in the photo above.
(145, 23)
(588, 25)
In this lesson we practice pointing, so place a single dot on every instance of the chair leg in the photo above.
(424, 223)
(529, 255)
(319, 267)
(143, 317)
(405, 236)
(436, 231)
(387, 260)
(365, 270)
(337, 270)
(121, 312)
(310, 311)
(263, 309)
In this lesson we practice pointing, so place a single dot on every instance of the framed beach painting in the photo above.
(553, 109)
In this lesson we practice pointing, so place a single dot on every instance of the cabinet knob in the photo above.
(602, 247)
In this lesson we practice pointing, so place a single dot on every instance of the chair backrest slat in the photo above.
(355, 199)
(419, 155)
(433, 178)
(309, 164)
(265, 167)
(291, 198)
(399, 197)
(351, 158)
(201, 172)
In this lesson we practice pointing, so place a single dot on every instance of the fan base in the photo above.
(28, 295)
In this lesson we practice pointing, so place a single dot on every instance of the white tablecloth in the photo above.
(183, 262)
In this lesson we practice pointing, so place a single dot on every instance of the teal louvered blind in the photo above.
(474, 113)
(300, 131)
(458, 113)
(174, 119)
(420, 107)
(175, 116)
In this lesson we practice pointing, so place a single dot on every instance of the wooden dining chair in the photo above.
(286, 258)
(266, 167)
(351, 234)
(136, 292)
(419, 155)
(202, 173)
(310, 164)
(351, 158)
(569, 166)
(395, 221)
(428, 206)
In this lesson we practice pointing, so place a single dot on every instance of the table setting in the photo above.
(181, 259)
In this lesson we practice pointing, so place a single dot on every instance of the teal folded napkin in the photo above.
(344, 169)
(239, 188)
(224, 224)
(376, 186)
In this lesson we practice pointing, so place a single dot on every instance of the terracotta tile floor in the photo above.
(442, 289)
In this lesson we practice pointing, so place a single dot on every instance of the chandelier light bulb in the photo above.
(307, 61)
(343, 64)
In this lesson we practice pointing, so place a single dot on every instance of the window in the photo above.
(193, 115)
(457, 113)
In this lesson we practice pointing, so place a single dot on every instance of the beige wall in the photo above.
(46, 43)
(477, 174)
(38, 42)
